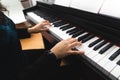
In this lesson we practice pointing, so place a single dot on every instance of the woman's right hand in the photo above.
(65, 48)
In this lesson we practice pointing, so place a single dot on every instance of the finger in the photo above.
(45, 29)
(68, 39)
(75, 44)
(45, 21)
(46, 26)
(71, 40)
(76, 52)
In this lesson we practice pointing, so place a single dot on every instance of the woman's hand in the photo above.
(42, 26)
(65, 47)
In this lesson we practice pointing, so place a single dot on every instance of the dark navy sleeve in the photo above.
(44, 68)
(10, 49)
(23, 33)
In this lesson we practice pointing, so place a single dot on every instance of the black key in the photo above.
(66, 27)
(99, 45)
(105, 48)
(57, 24)
(53, 19)
(82, 37)
(88, 38)
(78, 33)
(118, 62)
(39, 13)
(112, 57)
(94, 42)
(72, 32)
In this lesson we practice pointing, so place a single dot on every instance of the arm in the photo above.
(44, 68)
(25, 32)
(47, 65)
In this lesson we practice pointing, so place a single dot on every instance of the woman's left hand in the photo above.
(40, 27)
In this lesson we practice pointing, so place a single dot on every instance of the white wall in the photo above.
(63, 2)
(104, 7)
(87, 5)
(111, 8)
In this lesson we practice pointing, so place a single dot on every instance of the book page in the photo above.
(87, 5)
(14, 10)
(46, 1)
(111, 8)
(65, 3)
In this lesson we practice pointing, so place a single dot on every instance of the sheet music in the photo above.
(87, 5)
(111, 8)
(47, 1)
(65, 3)
(15, 10)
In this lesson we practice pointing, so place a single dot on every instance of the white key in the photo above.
(82, 35)
(85, 47)
(106, 58)
(35, 18)
(94, 53)
(115, 73)
(110, 65)
(119, 77)
(66, 31)
(57, 33)
(100, 56)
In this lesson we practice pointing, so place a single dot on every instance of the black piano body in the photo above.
(103, 26)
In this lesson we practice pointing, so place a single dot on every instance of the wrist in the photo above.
(55, 53)
(49, 52)
(29, 30)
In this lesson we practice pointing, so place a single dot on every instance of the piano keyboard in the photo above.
(99, 52)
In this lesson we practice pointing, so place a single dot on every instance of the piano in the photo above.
(99, 34)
